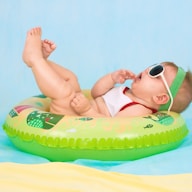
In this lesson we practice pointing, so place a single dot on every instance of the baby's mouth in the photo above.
(138, 78)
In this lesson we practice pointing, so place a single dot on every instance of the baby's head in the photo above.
(183, 96)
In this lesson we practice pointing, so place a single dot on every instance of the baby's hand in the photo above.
(122, 75)
(80, 103)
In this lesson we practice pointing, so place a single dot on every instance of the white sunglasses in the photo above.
(156, 71)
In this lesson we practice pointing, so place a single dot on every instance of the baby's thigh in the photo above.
(62, 105)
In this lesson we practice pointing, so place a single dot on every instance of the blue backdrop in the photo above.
(93, 37)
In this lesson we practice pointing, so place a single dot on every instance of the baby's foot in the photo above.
(33, 50)
(47, 48)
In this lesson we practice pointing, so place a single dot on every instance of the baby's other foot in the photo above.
(47, 47)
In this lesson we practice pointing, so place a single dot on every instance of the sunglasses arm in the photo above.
(170, 94)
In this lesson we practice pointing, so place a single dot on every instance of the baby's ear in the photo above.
(161, 99)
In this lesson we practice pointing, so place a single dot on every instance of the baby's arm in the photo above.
(108, 81)
(82, 106)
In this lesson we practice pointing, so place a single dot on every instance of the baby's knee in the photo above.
(75, 84)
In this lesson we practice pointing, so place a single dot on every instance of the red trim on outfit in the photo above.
(135, 103)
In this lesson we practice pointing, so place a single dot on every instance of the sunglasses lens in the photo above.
(156, 70)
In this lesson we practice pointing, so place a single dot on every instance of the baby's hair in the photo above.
(184, 95)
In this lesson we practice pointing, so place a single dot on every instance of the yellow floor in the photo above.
(69, 177)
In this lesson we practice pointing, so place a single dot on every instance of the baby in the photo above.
(160, 87)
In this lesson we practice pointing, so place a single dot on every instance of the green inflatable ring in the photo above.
(33, 129)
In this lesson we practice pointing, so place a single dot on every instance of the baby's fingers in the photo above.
(129, 74)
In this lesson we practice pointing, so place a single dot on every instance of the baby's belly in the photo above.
(99, 105)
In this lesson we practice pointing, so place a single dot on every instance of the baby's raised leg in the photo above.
(49, 81)
(48, 47)
(67, 75)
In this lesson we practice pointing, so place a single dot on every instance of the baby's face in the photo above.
(146, 86)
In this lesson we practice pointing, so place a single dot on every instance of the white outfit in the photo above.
(115, 99)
